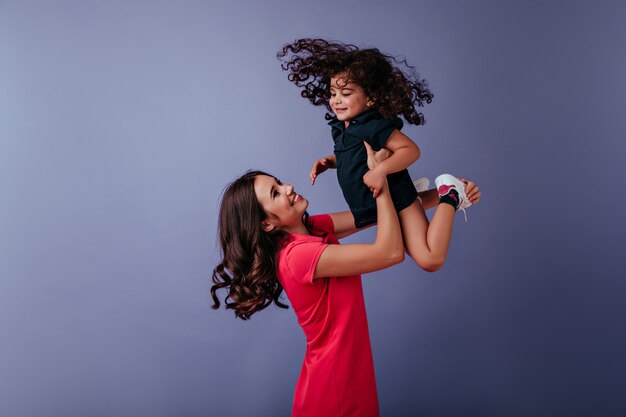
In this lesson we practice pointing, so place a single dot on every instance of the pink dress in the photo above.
(337, 377)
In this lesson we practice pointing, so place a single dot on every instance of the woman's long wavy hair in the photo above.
(248, 267)
(313, 62)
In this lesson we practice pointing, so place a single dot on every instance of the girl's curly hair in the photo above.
(313, 62)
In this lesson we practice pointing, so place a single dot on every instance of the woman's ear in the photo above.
(267, 227)
(370, 102)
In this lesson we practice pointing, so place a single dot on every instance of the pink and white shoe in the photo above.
(454, 188)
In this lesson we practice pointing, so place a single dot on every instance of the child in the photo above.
(366, 91)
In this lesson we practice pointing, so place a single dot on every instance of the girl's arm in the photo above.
(405, 152)
(322, 165)
(387, 250)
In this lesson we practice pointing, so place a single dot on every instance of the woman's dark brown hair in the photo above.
(248, 267)
(312, 62)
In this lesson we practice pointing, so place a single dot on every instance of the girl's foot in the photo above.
(452, 191)
(421, 184)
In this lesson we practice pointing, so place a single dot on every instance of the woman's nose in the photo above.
(288, 189)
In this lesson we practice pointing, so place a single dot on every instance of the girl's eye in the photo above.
(275, 193)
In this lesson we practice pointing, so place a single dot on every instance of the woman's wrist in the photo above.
(383, 190)
(429, 198)
(380, 169)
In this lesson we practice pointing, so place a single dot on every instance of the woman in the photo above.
(269, 243)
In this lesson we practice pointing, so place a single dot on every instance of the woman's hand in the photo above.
(375, 158)
(471, 190)
(375, 179)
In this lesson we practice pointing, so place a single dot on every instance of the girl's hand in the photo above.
(471, 190)
(375, 179)
(320, 166)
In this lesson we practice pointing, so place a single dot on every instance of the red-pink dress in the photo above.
(337, 377)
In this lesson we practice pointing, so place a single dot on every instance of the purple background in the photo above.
(121, 122)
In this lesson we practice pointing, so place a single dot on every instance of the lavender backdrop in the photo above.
(122, 121)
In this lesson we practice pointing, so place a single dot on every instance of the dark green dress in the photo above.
(373, 128)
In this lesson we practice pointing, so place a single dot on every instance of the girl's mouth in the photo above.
(296, 198)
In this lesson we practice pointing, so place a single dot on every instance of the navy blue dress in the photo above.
(373, 128)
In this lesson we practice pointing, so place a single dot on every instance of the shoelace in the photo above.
(464, 213)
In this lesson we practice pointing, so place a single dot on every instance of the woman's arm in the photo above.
(344, 224)
(430, 198)
(387, 249)
(344, 221)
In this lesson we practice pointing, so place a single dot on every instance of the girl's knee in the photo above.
(430, 263)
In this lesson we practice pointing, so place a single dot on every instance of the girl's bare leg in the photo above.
(427, 243)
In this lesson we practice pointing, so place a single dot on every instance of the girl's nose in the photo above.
(288, 189)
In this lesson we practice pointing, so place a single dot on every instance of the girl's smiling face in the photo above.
(284, 207)
(347, 99)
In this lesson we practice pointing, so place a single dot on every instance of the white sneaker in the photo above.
(421, 184)
(455, 188)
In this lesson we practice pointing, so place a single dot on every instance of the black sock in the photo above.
(451, 198)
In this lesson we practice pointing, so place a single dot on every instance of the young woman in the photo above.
(269, 243)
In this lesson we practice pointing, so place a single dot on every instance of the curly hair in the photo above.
(313, 62)
(249, 261)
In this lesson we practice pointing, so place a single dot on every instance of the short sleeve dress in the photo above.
(337, 377)
(371, 127)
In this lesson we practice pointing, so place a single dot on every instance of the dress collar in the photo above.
(315, 235)
(297, 237)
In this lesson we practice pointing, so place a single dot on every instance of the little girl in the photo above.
(366, 91)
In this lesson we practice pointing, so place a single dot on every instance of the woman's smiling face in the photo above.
(283, 206)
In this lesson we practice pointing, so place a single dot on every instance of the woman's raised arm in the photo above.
(387, 249)
(344, 220)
